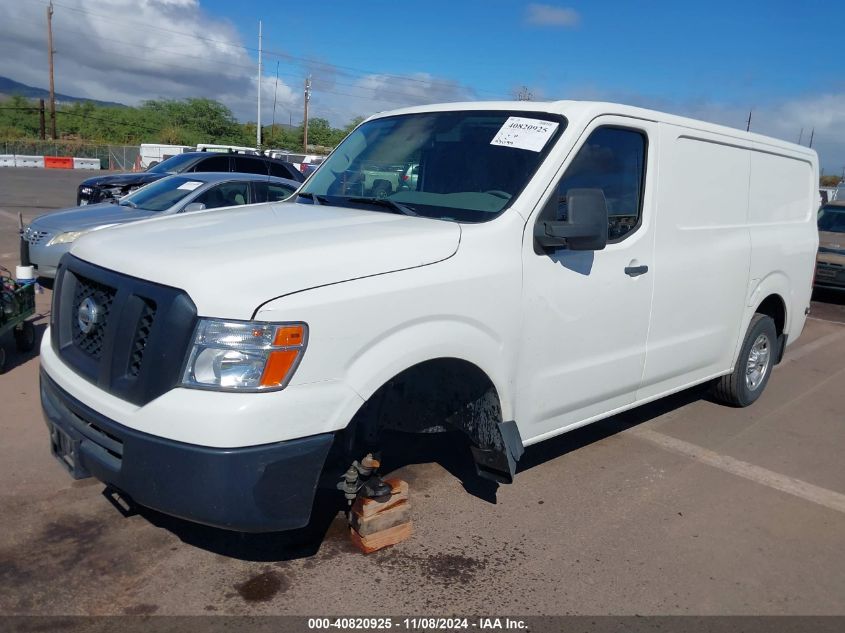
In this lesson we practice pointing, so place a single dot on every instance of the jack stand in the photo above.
(361, 480)
(379, 510)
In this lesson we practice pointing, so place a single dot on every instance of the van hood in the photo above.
(230, 261)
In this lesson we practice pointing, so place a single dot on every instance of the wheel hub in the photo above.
(759, 359)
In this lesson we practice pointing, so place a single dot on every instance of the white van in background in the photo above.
(302, 162)
(553, 264)
(153, 153)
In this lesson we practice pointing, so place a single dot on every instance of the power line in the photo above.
(283, 55)
(380, 93)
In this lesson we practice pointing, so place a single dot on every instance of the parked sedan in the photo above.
(111, 186)
(51, 235)
(830, 261)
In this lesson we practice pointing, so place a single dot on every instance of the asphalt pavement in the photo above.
(682, 506)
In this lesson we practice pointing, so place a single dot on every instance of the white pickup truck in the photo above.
(553, 264)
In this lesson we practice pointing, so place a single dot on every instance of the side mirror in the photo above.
(585, 228)
(194, 206)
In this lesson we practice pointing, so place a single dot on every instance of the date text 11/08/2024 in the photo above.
(420, 623)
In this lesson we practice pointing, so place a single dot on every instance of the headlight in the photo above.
(244, 355)
(87, 190)
(65, 238)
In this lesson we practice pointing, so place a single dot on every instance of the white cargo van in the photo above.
(151, 154)
(553, 264)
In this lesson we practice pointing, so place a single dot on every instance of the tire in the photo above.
(381, 189)
(753, 366)
(25, 337)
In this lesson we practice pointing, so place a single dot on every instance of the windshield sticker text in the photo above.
(190, 185)
(522, 133)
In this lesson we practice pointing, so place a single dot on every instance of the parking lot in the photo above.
(679, 507)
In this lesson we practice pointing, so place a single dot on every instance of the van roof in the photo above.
(584, 111)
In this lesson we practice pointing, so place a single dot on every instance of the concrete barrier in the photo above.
(49, 162)
(29, 161)
(58, 162)
(86, 163)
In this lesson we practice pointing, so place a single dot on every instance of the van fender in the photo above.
(430, 338)
(775, 283)
(485, 417)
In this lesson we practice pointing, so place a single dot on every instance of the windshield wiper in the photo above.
(128, 203)
(396, 207)
(311, 196)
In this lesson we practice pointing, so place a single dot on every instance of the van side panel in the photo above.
(784, 237)
(702, 258)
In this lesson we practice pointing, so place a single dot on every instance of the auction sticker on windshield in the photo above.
(522, 133)
(190, 185)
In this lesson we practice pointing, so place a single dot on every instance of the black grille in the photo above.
(91, 342)
(139, 338)
(142, 334)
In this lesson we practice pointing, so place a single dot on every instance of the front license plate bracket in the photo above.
(66, 450)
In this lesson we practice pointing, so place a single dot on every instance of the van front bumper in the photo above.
(262, 488)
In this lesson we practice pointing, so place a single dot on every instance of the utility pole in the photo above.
(801, 136)
(812, 134)
(258, 124)
(305, 121)
(275, 92)
(50, 55)
(42, 128)
(748, 123)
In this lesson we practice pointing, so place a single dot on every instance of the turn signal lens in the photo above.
(289, 335)
(278, 367)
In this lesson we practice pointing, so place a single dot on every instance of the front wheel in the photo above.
(754, 366)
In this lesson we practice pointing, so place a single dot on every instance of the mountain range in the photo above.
(10, 87)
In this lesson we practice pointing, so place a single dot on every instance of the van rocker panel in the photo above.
(262, 488)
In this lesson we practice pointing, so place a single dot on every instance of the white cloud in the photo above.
(548, 15)
(131, 50)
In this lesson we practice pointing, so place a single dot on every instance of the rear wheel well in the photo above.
(773, 306)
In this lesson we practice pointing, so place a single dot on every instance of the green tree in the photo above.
(181, 122)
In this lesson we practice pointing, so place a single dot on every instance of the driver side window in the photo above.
(229, 194)
(612, 159)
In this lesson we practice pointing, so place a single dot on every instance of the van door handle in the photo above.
(636, 271)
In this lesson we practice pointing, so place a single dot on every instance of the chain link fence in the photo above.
(116, 157)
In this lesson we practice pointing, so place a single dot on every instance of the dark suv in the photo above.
(102, 188)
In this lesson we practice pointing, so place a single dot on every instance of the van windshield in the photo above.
(470, 165)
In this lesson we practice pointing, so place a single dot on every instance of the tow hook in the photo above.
(361, 480)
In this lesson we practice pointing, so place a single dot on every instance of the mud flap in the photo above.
(781, 348)
(499, 465)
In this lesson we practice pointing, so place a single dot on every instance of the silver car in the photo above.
(51, 235)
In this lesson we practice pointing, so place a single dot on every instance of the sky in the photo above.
(715, 61)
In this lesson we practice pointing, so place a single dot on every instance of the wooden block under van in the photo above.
(374, 542)
(397, 514)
